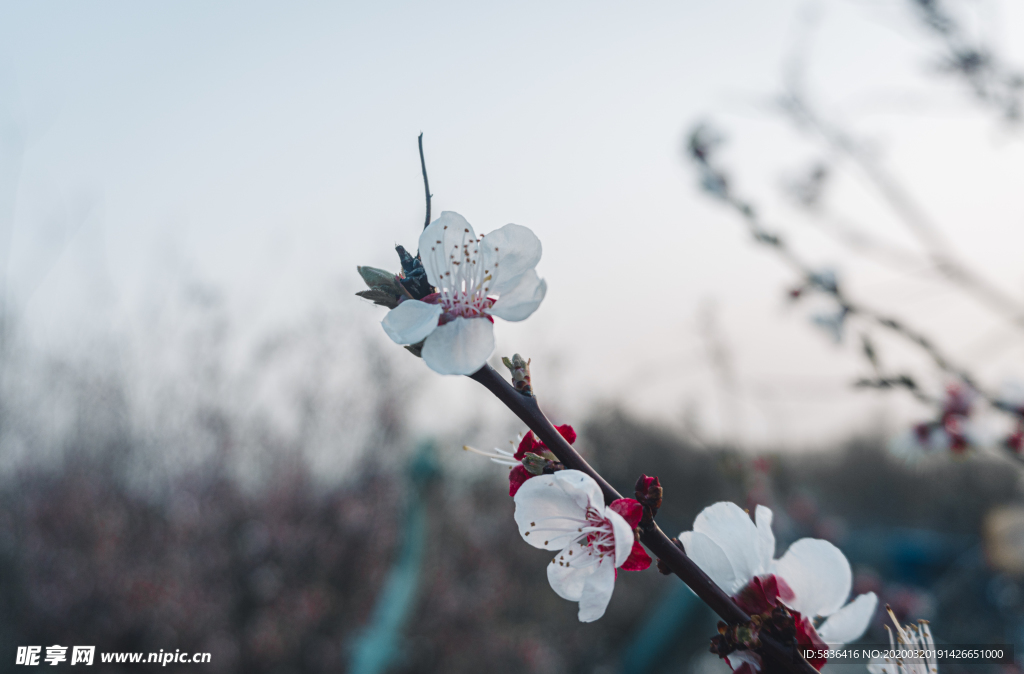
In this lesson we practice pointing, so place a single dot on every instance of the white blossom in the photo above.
(566, 512)
(476, 280)
(816, 577)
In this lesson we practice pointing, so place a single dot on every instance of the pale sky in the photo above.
(267, 149)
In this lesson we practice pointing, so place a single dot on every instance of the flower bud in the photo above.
(415, 276)
(520, 373)
(385, 289)
(648, 492)
(379, 277)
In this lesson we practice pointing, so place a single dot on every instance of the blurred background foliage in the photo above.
(111, 535)
(274, 498)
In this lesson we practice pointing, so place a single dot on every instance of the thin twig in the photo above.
(775, 241)
(528, 410)
(426, 183)
(717, 183)
(993, 81)
(903, 205)
(855, 238)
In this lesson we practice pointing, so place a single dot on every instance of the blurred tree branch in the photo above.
(804, 117)
(700, 147)
(992, 81)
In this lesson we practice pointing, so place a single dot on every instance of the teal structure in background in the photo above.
(377, 647)
(655, 639)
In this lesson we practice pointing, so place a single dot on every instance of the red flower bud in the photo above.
(648, 492)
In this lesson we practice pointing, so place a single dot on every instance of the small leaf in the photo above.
(379, 278)
(380, 297)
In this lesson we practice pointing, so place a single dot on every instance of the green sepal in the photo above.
(380, 297)
(380, 278)
(534, 463)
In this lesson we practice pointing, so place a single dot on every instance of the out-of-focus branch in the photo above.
(795, 104)
(527, 409)
(854, 237)
(717, 183)
(714, 180)
(426, 183)
(992, 81)
(808, 190)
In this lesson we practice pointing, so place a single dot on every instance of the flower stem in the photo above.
(651, 535)
(426, 183)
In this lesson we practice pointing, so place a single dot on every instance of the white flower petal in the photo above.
(440, 240)
(519, 302)
(623, 536)
(411, 321)
(597, 592)
(582, 488)
(711, 559)
(567, 580)
(849, 622)
(735, 533)
(507, 253)
(818, 574)
(460, 347)
(547, 515)
(765, 539)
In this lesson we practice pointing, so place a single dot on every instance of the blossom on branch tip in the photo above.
(813, 579)
(565, 511)
(476, 279)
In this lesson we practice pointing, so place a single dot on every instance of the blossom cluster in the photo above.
(564, 510)
(442, 308)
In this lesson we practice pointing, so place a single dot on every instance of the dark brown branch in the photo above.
(528, 410)
(426, 183)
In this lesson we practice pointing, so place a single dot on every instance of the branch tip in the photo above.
(520, 370)
(426, 183)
